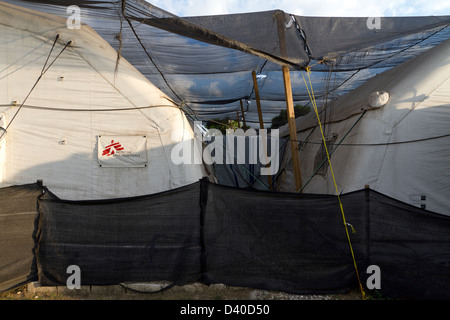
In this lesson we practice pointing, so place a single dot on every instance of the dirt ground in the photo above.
(195, 291)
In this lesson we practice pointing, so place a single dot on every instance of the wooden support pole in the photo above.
(279, 15)
(292, 128)
(261, 121)
(258, 102)
(243, 114)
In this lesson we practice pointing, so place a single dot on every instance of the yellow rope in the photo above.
(318, 62)
(313, 100)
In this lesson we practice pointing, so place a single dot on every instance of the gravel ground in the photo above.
(195, 291)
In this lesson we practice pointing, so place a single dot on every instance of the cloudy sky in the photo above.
(340, 8)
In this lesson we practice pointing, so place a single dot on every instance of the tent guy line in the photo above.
(303, 142)
(341, 207)
(92, 110)
(44, 70)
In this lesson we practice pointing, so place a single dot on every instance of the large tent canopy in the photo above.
(205, 63)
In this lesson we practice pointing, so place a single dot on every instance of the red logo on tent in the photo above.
(112, 148)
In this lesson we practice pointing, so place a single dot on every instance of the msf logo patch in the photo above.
(130, 152)
(112, 148)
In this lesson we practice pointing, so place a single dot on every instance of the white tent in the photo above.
(400, 149)
(85, 101)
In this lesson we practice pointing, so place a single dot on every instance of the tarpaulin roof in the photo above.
(206, 62)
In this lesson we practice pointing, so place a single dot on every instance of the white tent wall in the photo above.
(400, 149)
(2, 148)
(84, 94)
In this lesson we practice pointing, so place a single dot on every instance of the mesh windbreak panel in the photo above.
(297, 243)
(288, 242)
(217, 234)
(18, 222)
(147, 238)
(412, 248)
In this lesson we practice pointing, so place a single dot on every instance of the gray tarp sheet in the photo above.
(206, 63)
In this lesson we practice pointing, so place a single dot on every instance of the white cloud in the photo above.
(338, 8)
(214, 90)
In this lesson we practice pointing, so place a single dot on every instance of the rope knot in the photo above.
(353, 229)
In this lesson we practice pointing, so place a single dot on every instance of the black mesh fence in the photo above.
(210, 233)
(287, 242)
(155, 237)
(412, 248)
(18, 219)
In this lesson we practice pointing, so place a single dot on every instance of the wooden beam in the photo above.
(279, 16)
(243, 114)
(258, 102)
(292, 128)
